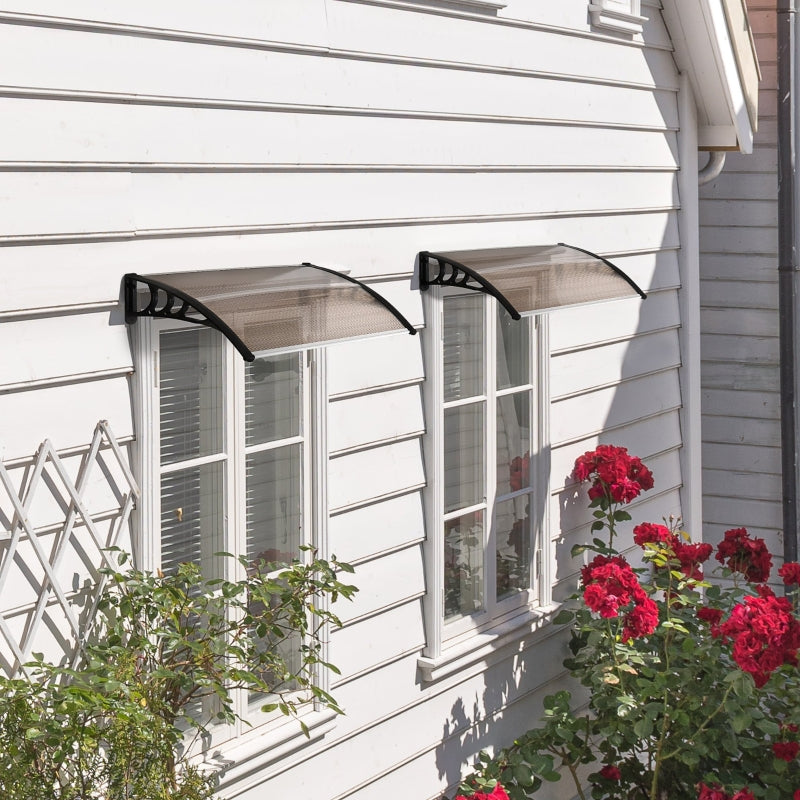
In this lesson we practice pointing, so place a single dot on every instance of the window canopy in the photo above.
(529, 280)
(266, 308)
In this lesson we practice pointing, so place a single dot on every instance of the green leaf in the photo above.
(563, 617)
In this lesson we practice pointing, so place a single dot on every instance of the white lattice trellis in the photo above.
(51, 535)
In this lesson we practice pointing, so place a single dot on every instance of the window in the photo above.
(485, 500)
(226, 450)
(622, 16)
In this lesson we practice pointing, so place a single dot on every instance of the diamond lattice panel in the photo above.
(59, 515)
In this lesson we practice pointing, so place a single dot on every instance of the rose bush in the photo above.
(691, 688)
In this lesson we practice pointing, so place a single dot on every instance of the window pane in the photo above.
(513, 350)
(463, 565)
(275, 504)
(273, 398)
(192, 518)
(463, 347)
(513, 442)
(464, 436)
(513, 526)
(191, 385)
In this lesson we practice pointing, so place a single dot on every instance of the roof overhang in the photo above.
(714, 46)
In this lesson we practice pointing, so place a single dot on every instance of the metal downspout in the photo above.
(787, 268)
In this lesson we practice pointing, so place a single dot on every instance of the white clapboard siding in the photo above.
(293, 21)
(364, 476)
(753, 349)
(369, 419)
(733, 430)
(362, 365)
(144, 67)
(735, 294)
(611, 363)
(754, 458)
(154, 201)
(756, 377)
(579, 416)
(618, 319)
(744, 485)
(139, 137)
(760, 405)
(377, 528)
(77, 345)
(363, 645)
(63, 414)
(382, 247)
(383, 583)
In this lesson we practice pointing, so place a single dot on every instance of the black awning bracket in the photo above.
(616, 269)
(200, 313)
(454, 273)
(380, 298)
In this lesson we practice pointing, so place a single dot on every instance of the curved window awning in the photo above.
(529, 280)
(266, 308)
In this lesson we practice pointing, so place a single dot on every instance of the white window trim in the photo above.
(468, 6)
(623, 16)
(445, 653)
(278, 735)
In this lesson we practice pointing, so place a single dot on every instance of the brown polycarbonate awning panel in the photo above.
(529, 280)
(266, 308)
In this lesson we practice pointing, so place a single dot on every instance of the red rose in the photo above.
(744, 794)
(765, 635)
(713, 616)
(614, 474)
(786, 751)
(790, 572)
(715, 792)
(609, 584)
(651, 533)
(796, 795)
(745, 555)
(610, 772)
(641, 620)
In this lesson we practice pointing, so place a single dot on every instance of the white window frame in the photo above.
(456, 644)
(622, 16)
(237, 746)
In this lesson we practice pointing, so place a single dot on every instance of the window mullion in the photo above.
(490, 457)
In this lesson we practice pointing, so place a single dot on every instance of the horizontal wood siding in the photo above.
(739, 348)
(156, 137)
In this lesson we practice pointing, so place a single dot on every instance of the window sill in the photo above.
(469, 6)
(488, 647)
(609, 14)
(238, 760)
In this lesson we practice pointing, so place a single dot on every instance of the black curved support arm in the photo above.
(169, 311)
(460, 276)
(369, 290)
(614, 267)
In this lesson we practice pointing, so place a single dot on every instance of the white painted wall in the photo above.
(155, 137)
(739, 295)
